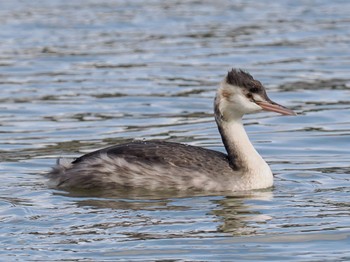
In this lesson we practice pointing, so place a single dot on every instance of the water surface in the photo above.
(77, 75)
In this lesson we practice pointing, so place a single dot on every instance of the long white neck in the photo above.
(242, 155)
(241, 152)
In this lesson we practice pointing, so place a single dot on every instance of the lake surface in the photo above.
(81, 75)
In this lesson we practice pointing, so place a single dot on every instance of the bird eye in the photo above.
(254, 90)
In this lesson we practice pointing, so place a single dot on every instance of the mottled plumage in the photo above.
(150, 164)
(164, 165)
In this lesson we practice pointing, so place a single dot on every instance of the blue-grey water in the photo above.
(77, 75)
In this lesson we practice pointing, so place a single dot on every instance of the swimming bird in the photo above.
(164, 165)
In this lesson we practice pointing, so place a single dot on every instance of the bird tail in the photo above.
(62, 164)
(57, 174)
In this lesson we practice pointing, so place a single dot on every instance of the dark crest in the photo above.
(238, 77)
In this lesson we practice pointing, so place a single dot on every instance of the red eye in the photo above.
(254, 90)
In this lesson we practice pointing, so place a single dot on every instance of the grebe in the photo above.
(159, 165)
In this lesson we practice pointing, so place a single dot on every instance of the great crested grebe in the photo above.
(165, 165)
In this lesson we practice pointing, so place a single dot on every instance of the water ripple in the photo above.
(81, 75)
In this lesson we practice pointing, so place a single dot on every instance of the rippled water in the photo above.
(80, 75)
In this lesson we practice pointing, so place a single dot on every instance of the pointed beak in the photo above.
(274, 107)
